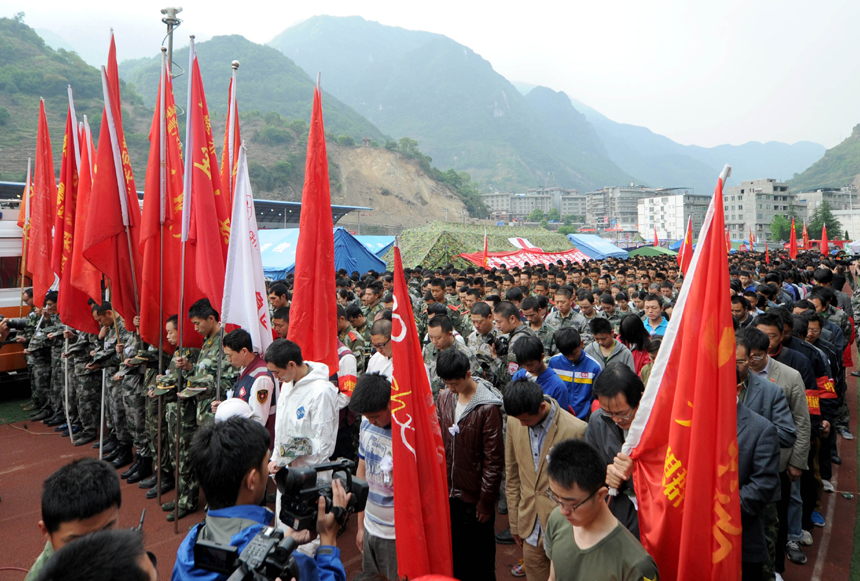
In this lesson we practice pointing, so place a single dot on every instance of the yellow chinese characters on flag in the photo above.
(684, 437)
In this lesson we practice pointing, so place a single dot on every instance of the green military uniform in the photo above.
(573, 319)
(188, 486)
(504, 367)
(40, 563)
(430, 355)
(54, 326)
(545, 334)
(370, 312)
(30, 330)
(480, 344)
(205, 374)
(40, 352)
(615, 320)
(839, 318)
(452, 299)
(355, 343)
(109, 360)
(364, 333)
(134, 396)
(89, 383)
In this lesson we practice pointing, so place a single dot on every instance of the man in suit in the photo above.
(758, 478)
(767, 400)
(535, 424)
(790, 535)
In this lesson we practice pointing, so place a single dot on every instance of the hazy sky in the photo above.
(702, 73)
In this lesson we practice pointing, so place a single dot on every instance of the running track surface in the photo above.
(30, 452)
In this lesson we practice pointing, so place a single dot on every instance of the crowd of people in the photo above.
(536, 372)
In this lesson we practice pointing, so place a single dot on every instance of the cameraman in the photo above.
(230, 459)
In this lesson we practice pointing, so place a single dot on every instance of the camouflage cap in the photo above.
(143, 356)
(164, 384)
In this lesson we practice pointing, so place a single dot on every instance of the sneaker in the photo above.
(806, 539)
(827, 486)
(817, 519)
(846, 435)
(518, 570)
(777, 576)
(794, 553)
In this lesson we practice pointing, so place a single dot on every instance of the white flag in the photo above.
(245, 301)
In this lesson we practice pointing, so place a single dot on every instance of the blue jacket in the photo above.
(579, 378)
(551, 384)
(327, 566)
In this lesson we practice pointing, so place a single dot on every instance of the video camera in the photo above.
(269, 555)
(300, 493)
(501, 344)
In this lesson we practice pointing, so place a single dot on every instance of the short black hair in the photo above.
(238, 339)
(173, 319)
(202, 309)
(78, 491)
(101, 309)
(576, 462)
(353, 312)
(507, 310)
(381, 327)
(437, 309)
(523, 397)
(563, 291)
(443, 322)
(528, 348)
(755, 339)
(514, 294)
(824, 294)
(585, 295)
(481, 309)
(653, 297)
(606, 299)
(800, 326)
(599, 326)
(51, 296)
(282, 351)
(110, 555)
(567, 339)
(769, 319)
(29, 291)
(617, 378)
(282, 314)
(531, 304)
(823, 276)
(452, 364)
(222, 453)
(372, 394)
(279, 289)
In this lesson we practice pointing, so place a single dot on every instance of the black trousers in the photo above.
(808, 485)
(782, 514)
(474, 543)
(751, 571)
(828, 447)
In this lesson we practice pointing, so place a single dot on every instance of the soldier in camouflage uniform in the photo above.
(441, 332)
(132, 371)
(201, 388)
(89, 387)
(479, 340)
(371, 300)
(353, 341)
(53, 329)
(361, 325)
(565, 316)
(108, 358)
(69, 338)
(611, 312)
(437, 291)
(39, 351)
(532, 312)
(23, 337)
(507, 317)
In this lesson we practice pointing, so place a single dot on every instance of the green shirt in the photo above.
(46, 555)
(616, 557)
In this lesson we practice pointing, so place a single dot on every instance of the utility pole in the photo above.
(172, 23)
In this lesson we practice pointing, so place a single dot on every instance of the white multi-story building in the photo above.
(753, 204)
(515, 206)
(618, 207)
(839, 198)
(668, 214)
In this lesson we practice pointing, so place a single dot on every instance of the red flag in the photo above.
(72, 302)
(728, 241)
(825, 247)
(485, 260)
(162, 204)
(313, 324)
(766, 255)
(25, 206)
(656, 240)
(232, 142)
(205, 218)
(686, 255)
(83, 275)
(113, 217)
(805, 237)
(42, 213)
(792, 241)
(421, 508)
(684, 436)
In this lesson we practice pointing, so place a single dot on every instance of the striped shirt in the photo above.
(375, 449)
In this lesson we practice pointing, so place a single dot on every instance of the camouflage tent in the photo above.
(438, 243)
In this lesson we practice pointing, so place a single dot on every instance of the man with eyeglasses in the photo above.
(618, 390)
(582, 534)
(380, 340)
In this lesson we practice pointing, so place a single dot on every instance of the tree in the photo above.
(780, 228)
(820, 216)
(553, 215)
(536, 215)
(544, 224)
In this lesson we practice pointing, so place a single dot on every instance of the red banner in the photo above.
(520, 257)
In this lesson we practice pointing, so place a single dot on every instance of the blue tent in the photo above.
(379, 245)
(596, 247)
(278, 251)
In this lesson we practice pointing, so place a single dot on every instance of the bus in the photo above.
(12, 360)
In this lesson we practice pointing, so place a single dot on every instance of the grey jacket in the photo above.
(620, 354)
(767, 399)
(792, 385)
(758, 478)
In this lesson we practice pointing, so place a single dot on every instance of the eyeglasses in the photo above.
(381, 346)
(757, 357)
(623, 416)
(566, 505)
(814, 331)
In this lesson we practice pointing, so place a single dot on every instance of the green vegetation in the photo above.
(839, 167)
(780, 227)
(536, 216)
(820, 216)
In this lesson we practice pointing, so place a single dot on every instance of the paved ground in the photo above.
(30, 452)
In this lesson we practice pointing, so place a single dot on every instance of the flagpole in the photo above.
(162, 170)
(231, 133)
(102, 421)
(186, 212)
(26, 202)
